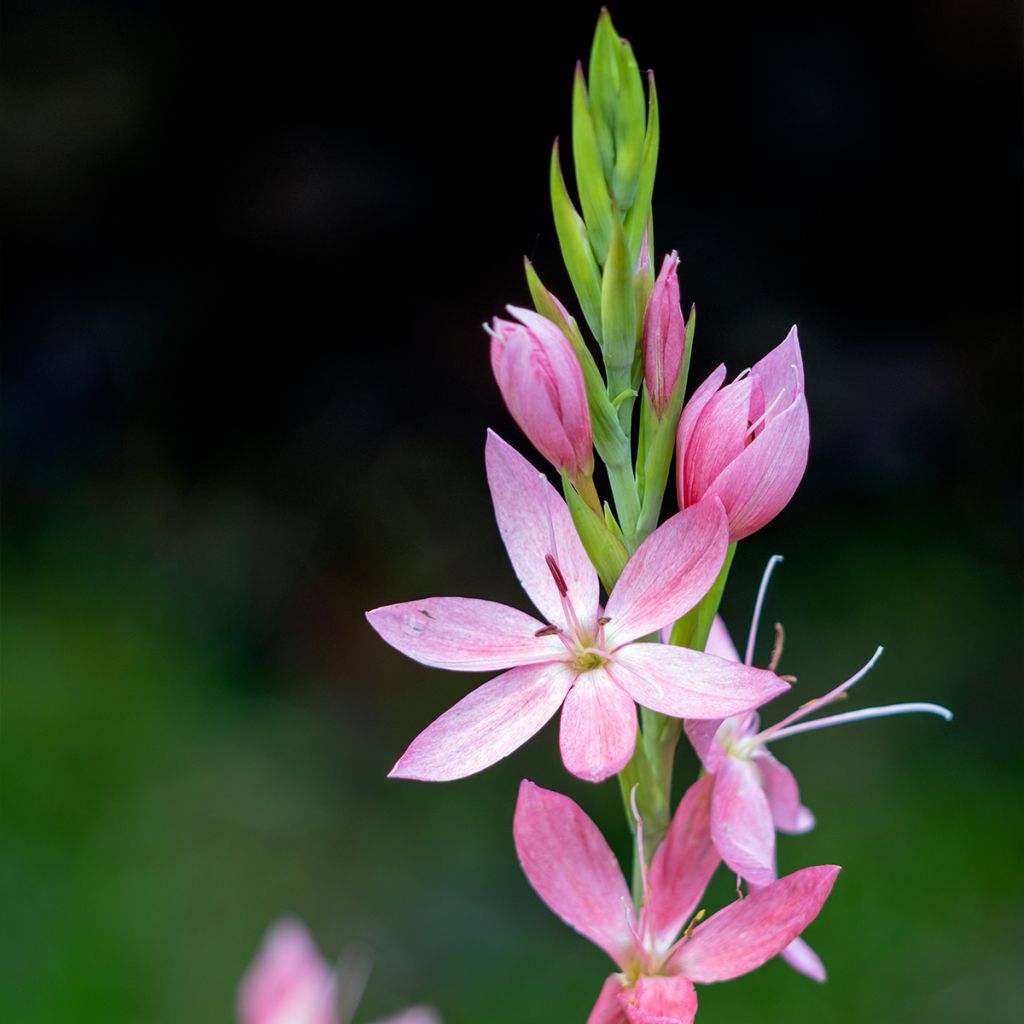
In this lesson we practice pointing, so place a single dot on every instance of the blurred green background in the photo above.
(245, 400)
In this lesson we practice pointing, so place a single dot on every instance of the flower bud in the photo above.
(664, 336)
(746, 442)
(540, 379)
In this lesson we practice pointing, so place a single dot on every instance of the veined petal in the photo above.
(534, 521)
(691, 414)
(741, 821)
(486, 725)
(782, 370)
(682, 865)
(572, 868)
(758, 484)
(598, 728)
(783, 796)
(668, 574)
(802, 958)
(608, 1009)
(690, 684)
(718, 438)
(701, 734)
(660, 1000)
(752, 930)
(464, 634)
(720, 643)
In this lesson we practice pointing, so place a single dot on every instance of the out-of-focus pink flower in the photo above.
(568, 862)
(289, 983)
(579, 654)
(754, 795)
(540, 379)
(746, 442)
(664, 335)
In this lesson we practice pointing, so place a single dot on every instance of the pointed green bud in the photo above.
(604, 549)
(618, 315)
(590, 180)
(639, 215)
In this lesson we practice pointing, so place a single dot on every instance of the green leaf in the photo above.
(590, 180)
(576, 250)
(618, 314)
(640, 211)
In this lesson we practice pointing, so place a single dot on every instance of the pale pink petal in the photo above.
(701, 733)
(783, 796)
(720, 643)
(741, 821)
(414, 1015)
(752, 930)
(690, 684)
(758, 484)
(608, 1009)
(802, 958)
(782, 370)
(598, 730)
(464, 634)
(534, 522)
(682, 865)
(660, 1000)
(718, 438)
(568, 862)
(486, 725)
(668, 574)
(288, 981)
(688, 421)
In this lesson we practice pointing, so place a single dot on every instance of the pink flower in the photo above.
(541, 381)
(289, 983)
(569, 864)
(580, 654)
(664, 335)
(746, 442)
(754, 795)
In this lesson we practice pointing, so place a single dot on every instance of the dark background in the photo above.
(245, 394)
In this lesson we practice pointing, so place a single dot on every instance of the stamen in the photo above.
(601, 623)
(697, 918)
(563, 588)
(760, 419)
(755, 620)
(780, 642)
(548, 631)
(862, 714)
(641, 858)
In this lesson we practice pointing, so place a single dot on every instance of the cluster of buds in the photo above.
(625, 699)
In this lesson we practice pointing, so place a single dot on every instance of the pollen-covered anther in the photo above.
(548, 631)
(556, 574)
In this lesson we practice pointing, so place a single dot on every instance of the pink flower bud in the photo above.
(541, 381)
(746, 442)
(664, 336)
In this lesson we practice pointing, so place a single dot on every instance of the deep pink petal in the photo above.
(758, 484)
(752, 930)
(782, 370)
(690, 684)
(682, 865)
(688, 421)
(464, 634)
(534, 521)
(668, 574)
(486, 725)
(718, 438)
(288, 981)
(783, 796)
(568, 862)
(608, 1008)
(741, 821)
(598, 730)
(660, 1000)
(802, 958)
(720, 643)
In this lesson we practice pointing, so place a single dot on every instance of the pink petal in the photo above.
(690, 684)
(701, 733)
(486, 725)
(288, 981)
(783, 796)
(688, 421)
(534, 522)
(718, 438)
(598, 730)
(802, 958)
(683, 864)
(741, 821)
(464, 634)
(569, 864)
(608, 1009)
(668, 574)
(414, 1015)
(720, 643)
(660, 1000)
(752, 930)
(776, 370)
(758, 484)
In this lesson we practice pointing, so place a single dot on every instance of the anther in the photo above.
(548, 631)
(563, 588)
(604, 620)
(780, 641)
(697, 918)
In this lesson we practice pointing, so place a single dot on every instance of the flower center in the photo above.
(588, 659)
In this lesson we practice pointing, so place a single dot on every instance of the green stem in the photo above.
(627, 504)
